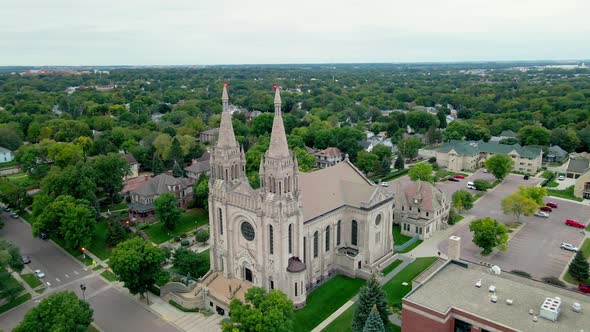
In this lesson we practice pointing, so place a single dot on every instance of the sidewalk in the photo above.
(406, 261)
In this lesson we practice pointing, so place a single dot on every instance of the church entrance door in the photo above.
(248, 274)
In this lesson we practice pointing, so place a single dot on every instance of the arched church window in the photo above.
(338, 232)
(247, 231)
(328, 238)
(271, 239)
(291, 238)
(220, 221)
(354, 233)
(316, 241)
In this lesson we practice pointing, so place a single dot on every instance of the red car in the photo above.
(574, 223)
(545, 208)
(584, 288)
(552, 205)
(458, 176)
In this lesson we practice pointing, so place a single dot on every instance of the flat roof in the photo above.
(453, 286)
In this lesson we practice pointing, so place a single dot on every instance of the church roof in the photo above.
(429, 197)
(330, 188)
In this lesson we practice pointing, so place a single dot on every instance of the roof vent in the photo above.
(494, 298)
(509, 301)
(550, 309)
(496, 269)
(535, 318)
(577, 307)
(531, 311)
(492, 289)
(478, 283)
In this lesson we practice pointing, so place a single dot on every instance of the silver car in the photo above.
(542, 214)
(569, 246)
(39, 274)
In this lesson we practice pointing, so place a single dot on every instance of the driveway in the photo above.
(535, 248)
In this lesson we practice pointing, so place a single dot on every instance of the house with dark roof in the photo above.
(328, 157)
(209, 135)
(555, 154)
(142, 206)
(576, 167)
(420, 209)
(503, 135)
(133, 166)
(464, 155)
(199, 167)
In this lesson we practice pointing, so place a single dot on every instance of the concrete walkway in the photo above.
(406, 261)
(186, 321)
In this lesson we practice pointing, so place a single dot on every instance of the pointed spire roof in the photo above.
(226, 129)
(278, 139)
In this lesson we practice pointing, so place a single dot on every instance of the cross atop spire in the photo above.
(277, 100)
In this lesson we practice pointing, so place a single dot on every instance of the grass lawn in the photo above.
(30, 279)
(22, 180)
(343, 323)
(97, 267)
(585, 249)
(567, 193)
(187, 222)
(99, 245)
(588, 227)
(392, 266)
(15, 303)
(394, 288)
(398, 238)
(91, 329)
(39, 290)
(110, 276)
(5, 185)
(326, 299)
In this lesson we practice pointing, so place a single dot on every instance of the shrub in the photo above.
(482, 185)
(553, 281)
(143, 226)
(185, 243)
(181, 308)
(202, 235)
(432, 160)
(176, 238)
(183, 235)
(521, 273)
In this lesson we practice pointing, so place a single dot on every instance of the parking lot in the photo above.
(535, 248)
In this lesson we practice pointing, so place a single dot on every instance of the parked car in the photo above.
(384, 184)
(485, 170)
(14, 215)
(545, 208)
(26, 259)
(561, 178)
(472, 187)
(43, 236)
(575, 223)
(552, 205)
(453, 180)
(459, 176)
(569, 246)
(7, 209)
(39, 274)
(542, 214)
(584, 288)
(526, 177)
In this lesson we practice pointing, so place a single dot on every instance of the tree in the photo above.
(167, 211)
(10, 138)
(272, 311)
(462, 200)
(177, 170)
(202, 235)
(408, 147)
(304, 159)
(16, 197)
(62, 311)
(489, 234)
(421, 172)
(201, 192)
(579, 268)
(370, 296)
(10, 256)
(366, 161)
(374, 322)
(115, 232)
(109, 171)
(421, 120)
(399, 163)
(442, 119)
(157, 164)
(481, 185)
(499, 165)
(517, 205)
(567, 139)
(175, 153)
(187, 261)
(138, 264)
(534, 193)
(534, 135)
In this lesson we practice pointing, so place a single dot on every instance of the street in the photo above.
(114, 310)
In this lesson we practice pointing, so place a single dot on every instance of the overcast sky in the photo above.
(193, 32)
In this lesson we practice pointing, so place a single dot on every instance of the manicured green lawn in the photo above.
(392, 266)
(110, 276)
(343, 323)
(326, 299)
(5, 185)
(398, 238)
(188, 221)
(30, 279)
(394, 288)
(99, 245)
(566, 193)
(15, 303)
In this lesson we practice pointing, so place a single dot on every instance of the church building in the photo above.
(297, 229)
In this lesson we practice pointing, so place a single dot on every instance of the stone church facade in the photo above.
(297, 229)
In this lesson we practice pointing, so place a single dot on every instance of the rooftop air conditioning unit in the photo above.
(492, 289)
(577, 307)
(478, 283)
(550, 309)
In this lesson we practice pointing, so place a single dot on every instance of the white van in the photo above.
(470, 185)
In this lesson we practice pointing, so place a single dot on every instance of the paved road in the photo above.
(114, 310)
(535, 248)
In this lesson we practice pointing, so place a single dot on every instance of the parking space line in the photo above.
(48, 284)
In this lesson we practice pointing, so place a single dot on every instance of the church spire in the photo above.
(278, 140)
(226, 130)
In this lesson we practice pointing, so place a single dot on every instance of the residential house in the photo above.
(420, 209)
(6, 155)
(142, 206)
(133, 166)
(458, 156)
(576, 167)
(555, 154)
(198, 167)
(328, 157)
(209, 135)
(582, 185)
(503, 135)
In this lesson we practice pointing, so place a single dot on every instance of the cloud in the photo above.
(142, 32)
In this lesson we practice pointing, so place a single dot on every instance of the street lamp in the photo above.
(83, 288)
(84, 253)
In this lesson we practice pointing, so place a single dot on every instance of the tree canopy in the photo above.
(499, 165)
(421, 172)
(489, 234)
